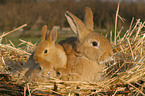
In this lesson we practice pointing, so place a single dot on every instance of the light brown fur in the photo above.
(48, 57)
(85, 61)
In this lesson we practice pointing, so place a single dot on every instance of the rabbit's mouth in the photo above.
(46, 74)
(105, 57)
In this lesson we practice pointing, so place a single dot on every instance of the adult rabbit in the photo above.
(87, 52)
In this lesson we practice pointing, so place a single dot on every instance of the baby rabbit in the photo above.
(86, 53)
(48, 57)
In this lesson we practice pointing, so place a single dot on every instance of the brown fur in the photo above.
(84, 59)
(46, 61)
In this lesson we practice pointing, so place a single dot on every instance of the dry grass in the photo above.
(125, 73)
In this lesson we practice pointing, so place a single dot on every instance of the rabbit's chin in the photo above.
(107, 60)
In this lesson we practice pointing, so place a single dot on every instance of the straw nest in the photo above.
(125, 73)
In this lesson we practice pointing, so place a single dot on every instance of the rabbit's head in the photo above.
(90, 44)
(48, 51)
(47, 45)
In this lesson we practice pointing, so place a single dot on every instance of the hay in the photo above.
(125, 73)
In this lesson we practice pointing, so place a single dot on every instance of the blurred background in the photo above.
(36, 13)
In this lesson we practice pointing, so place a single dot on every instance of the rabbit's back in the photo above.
(69, 44)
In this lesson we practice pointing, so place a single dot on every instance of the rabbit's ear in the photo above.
(43, 32)
(76, 25)
(89, 19)
(52, 36)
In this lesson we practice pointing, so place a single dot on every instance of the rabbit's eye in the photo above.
(40, 68)
(45, 51)
(58, 73)
(94, 43)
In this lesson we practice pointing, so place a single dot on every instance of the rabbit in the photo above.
(48, 57)
(87, 52)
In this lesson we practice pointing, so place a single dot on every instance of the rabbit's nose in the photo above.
(48, 73)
